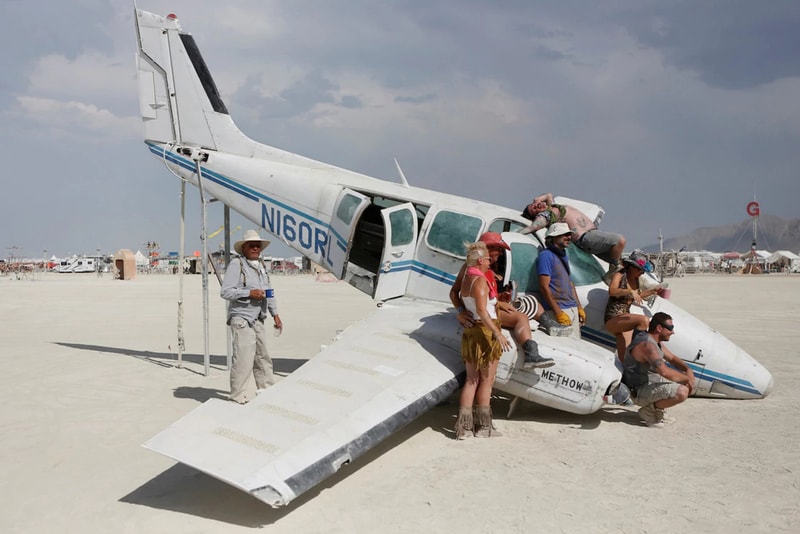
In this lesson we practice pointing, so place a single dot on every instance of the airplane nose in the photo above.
(768, 389)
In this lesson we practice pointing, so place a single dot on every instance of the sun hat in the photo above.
(493, 239)
(637, 260)
(557, 229)
(250, 235)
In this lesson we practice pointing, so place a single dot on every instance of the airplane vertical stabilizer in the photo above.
(178, 99)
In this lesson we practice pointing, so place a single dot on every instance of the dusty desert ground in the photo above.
(89, 373)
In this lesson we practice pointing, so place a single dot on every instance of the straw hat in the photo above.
(250, 235)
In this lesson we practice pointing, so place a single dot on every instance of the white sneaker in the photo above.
(664, 418)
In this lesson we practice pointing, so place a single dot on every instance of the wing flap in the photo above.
(376, 377)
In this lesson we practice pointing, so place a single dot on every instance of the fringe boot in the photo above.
(484, 427)
(464, 423)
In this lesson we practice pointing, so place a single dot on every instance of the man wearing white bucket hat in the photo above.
(559, 298)
(247, 288)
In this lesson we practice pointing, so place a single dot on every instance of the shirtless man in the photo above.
(544, 212)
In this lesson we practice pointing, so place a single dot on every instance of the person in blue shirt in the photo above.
(559, 298)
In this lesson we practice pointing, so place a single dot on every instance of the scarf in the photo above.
(490, 279)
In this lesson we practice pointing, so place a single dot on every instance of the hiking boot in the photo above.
(553, 327)
(650, 416)
(532, 358)
(664, 418)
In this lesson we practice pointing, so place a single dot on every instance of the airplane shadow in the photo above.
(169, 359)
(186, 490)
(441, 418)
(530, 411)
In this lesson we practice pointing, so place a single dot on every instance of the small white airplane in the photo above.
(403, 246)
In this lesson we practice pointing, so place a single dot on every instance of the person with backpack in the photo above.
(247, 288)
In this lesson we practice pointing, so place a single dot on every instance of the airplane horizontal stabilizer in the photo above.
(376, 377)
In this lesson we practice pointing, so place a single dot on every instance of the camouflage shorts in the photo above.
(654, 392)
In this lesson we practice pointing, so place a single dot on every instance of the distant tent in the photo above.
(783, 260)
(141, 259)
(755, 261)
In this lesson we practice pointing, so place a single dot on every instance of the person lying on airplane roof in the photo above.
(606, 245)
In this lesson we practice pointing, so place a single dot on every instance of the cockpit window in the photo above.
(584, 267)
(449, 231)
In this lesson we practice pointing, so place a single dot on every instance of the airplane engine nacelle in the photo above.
(577, 383)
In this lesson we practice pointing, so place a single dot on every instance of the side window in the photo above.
(523, 266)
(402, 227)
(347, 208)
(449, 231)
(505, 225)
(585, 269)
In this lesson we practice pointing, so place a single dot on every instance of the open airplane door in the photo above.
(400, 242)
(346, 212)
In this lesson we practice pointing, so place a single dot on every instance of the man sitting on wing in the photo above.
(608, 246)
(654, 385)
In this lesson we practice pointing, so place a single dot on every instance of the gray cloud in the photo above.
(668, 114)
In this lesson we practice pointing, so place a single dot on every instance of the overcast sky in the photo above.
(669, 114)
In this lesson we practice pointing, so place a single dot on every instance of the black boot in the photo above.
(532, 358)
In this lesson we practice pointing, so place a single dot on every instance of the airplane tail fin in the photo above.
(178, 99)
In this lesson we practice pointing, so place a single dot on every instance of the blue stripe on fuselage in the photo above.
(605, 340)
(247, 192)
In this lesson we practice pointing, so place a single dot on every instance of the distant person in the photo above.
(607, 246)
(624, 291)
(509, 316)
(559, 298)
(482, 344)
(654, 385)
(247, 288)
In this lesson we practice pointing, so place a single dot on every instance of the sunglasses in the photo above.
(669, 327)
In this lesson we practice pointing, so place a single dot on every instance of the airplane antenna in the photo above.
(402, 176)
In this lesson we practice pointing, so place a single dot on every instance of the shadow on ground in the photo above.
(185, 490)
(169, 359)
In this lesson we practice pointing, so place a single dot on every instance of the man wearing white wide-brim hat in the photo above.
(248, 290)
(559, 298)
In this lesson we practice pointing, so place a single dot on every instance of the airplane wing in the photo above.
(377, 376)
